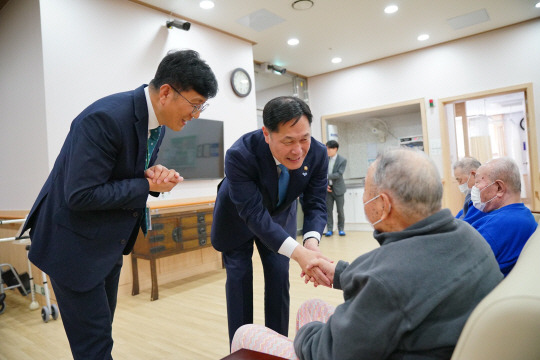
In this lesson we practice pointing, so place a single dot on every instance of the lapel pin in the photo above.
(305, 168)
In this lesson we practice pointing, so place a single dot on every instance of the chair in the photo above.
(506, 323)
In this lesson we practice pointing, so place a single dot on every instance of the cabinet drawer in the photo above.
(193, 244)
(181, 234)
(196, 219)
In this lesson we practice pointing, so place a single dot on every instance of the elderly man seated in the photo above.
(410, 297)
(464, 172)
(507, 224)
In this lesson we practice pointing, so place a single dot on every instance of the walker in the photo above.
(48, 311)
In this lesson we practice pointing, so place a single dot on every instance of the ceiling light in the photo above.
(336, 60)
(302, 4)
(293, 41)
(390, 9)
(206, 4)
(423, 37)
(537, 5)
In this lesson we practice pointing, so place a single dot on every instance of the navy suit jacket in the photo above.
(246, 204)
(88, 212)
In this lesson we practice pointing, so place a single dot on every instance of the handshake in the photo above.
(316, 267)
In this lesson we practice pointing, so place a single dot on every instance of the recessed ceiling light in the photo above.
(423, 37)
(302, 4)
(336, 60)
(537, 5)
(390, 9)
(206, 4)
(293, 41)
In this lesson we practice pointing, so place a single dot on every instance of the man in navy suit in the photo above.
(89, 211)
(248, 210)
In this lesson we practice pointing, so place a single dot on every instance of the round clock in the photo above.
(241, 82)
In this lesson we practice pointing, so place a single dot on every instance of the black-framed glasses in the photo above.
(196, 108)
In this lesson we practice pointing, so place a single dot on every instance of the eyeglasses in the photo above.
(196, 107)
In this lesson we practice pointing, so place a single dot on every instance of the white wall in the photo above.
(23, 136)
(497, 59)
(95, 48)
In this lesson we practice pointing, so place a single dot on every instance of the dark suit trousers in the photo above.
(340, 201)
(239, 287)
(88, 316)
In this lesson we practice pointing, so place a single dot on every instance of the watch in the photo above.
(241, 82)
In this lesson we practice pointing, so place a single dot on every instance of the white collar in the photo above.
(152, 118)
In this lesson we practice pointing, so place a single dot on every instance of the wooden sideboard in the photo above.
(176, 228)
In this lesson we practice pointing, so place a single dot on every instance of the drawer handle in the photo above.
(200, 218)
(202, 230)
(158, 226)
(157, 249)
(156, 238)
(202, 240)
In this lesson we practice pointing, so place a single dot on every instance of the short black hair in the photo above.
(185, 71)
(284, 109)
(332, 144)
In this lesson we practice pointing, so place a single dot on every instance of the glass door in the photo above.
(492, 127)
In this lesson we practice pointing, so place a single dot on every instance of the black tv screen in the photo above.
(196, 152)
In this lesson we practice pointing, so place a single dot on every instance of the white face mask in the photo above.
(376, 222)
(475, 197)
(464, 188)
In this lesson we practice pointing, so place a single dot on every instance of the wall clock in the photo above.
(241, 82)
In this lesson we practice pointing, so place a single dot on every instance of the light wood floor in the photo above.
(189, 321)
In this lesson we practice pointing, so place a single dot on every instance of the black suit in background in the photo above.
(337, 195)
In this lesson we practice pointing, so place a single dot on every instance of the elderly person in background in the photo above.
(464, 172)
(410, 297)
(507, 223)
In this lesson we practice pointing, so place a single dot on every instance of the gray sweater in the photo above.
(407, 299)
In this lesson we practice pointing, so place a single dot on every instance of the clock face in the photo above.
(241, 82)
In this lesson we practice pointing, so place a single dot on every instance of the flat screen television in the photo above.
(196, 152)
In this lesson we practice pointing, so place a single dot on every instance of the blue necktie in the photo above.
(283, 183)
(152, 142)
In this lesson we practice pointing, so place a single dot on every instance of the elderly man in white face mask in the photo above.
(464, 172)
(407, 299)
(507, 223)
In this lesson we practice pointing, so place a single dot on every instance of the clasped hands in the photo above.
(316, 267)
(162, 179)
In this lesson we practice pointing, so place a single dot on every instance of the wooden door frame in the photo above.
(527, 89)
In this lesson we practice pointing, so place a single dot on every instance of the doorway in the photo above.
(487, 126)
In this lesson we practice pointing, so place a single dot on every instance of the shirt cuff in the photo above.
(288, 247)
(312, 234)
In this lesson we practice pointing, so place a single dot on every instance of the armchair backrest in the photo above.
(506, 323)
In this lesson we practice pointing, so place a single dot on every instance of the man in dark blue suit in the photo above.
(249, 210)
(89, 212)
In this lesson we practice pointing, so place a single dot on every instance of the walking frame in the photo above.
(48, 311)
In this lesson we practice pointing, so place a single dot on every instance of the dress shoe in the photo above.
(328, 233)
(341, 233)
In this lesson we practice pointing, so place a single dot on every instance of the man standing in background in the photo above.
(336, 188)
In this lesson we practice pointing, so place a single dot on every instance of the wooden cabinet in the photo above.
(175, 229)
